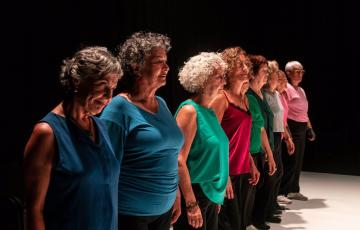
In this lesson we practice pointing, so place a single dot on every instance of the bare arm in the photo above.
(186, 120)
(288, 141)
(38, 162)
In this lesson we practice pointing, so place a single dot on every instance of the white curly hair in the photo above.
(195, 72)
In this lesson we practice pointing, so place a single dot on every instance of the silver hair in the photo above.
(139, 44)
(291, 64)
(195, 72)
(89, 63)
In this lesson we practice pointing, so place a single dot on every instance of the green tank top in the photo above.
(208, 159)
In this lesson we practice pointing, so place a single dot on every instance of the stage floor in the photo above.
(334, 203)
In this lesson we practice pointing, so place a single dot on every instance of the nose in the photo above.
(166, 67)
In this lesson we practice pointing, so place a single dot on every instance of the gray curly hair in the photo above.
(196, 71)
(89, 63)
(134, 49)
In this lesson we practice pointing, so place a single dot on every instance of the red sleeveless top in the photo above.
(236, 123)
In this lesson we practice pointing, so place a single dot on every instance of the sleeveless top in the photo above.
(82, 192)
(148, 145)
(236, 123)
(208, 161)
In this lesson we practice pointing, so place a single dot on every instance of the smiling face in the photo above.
(154, 70)
(96, 94)
(215, 81)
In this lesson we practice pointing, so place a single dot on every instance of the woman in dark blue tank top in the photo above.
(70, 170)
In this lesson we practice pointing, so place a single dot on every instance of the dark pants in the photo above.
(161, 222)
(233, 212)
(208, 212)
(263, 198)
(280, 169)
(293, 164)
(259, 162)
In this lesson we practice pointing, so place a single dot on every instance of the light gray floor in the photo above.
(334, 203)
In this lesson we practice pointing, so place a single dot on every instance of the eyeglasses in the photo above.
(298, 71)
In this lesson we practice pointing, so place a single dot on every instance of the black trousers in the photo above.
(161, 222)
(264, 194)
(279, 172)
(259, 162)
(293, 164)
(208, 212)
(233, 212)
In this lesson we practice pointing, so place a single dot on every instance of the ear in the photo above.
(76, 82)
(136, 68)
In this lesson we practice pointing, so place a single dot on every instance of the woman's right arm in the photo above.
(38, 162)
(186, 120)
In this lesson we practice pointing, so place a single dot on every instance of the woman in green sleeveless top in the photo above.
(203, 160)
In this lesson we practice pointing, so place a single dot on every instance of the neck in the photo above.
(256, 89)
(203, 99)
(74, 110)
(143, 94)
(235, 89)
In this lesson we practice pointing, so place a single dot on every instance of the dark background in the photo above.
(321, 35)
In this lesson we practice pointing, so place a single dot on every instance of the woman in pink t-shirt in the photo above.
(299, 125)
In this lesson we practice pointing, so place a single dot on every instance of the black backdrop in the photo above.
(321, 35)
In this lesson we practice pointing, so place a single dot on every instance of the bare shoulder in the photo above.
(41, 140)
(43, 129)
(187, 110)
(186, 115)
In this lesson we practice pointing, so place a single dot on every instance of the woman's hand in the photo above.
(229, 190)
(194, 215)
(176, 210)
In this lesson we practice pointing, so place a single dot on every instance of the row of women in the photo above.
(136, 166)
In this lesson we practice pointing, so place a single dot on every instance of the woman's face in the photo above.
(216, 81)
(273, 80)
(296, 75)
(154, 70)
(97, 94)
(240, 71)
(262, 75)
(281, 86)
(241, 68)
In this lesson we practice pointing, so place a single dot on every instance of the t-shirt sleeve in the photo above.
(117, 135)
(255, 111)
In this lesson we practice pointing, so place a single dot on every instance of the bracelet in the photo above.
(191, 205)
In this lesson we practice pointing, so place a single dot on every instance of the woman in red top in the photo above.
(231, 108)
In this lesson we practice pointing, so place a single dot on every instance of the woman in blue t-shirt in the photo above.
(145, 136)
